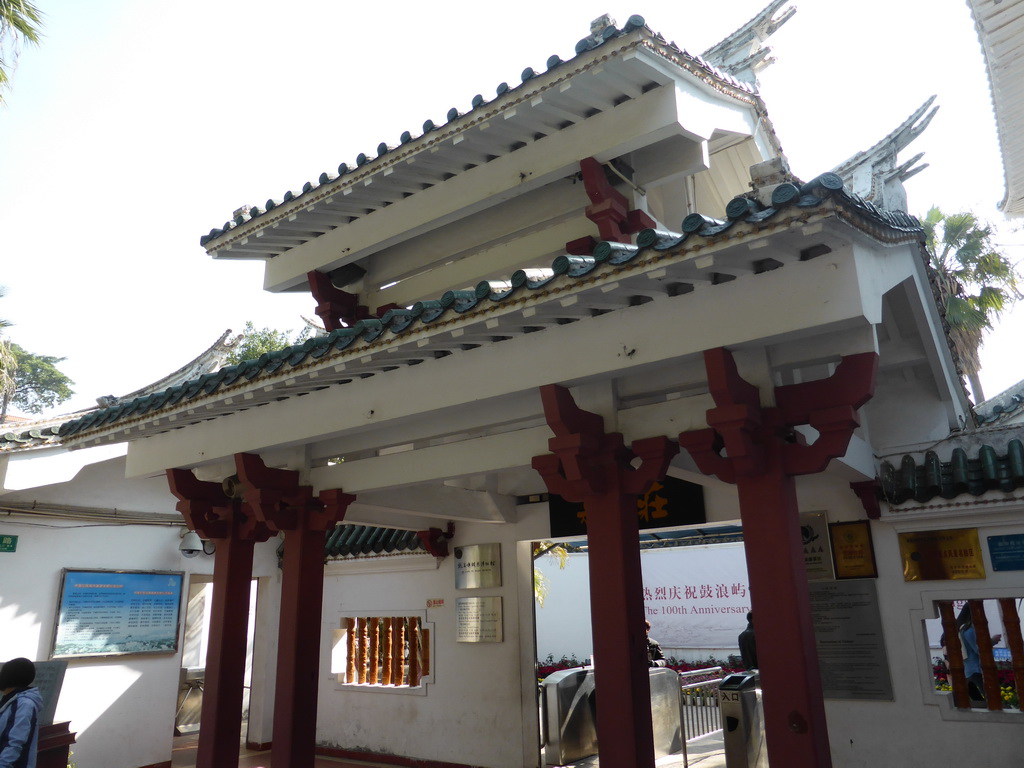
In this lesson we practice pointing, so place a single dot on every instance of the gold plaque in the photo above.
(931, 555)
(853, 552)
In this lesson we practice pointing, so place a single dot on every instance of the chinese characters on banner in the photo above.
(701, 605)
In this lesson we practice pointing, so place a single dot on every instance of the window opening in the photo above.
(973, 667)
(384, 651)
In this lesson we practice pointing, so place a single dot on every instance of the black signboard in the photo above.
(669, 503)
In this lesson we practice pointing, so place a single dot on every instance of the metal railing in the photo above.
(698, 706)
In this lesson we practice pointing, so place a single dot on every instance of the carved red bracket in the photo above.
(435, 541)
(338, 308)
(746, 430)
(584, 458)
(335, 307)
(609, 208)
(868, 492)
(278, 500)
(210, 512)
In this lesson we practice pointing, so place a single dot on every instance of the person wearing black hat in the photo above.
(19, 714)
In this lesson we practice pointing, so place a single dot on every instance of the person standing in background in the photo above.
(19, 714)
(655, 656)
(748, 645)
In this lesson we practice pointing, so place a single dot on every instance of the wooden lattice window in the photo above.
(382, 651)
(999, 677)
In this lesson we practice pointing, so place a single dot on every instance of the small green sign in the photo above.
(8, 543)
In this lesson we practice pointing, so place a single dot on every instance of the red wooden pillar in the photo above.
(215, 516)
(593, 467)
(278, 500)
(763, 455)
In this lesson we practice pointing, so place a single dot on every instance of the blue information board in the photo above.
(1007, 552)
(101, 613)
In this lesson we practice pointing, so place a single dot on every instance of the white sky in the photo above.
(137, 126)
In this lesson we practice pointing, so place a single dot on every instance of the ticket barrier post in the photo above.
(743, 721)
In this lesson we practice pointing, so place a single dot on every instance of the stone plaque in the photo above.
(478, 620)
(49, 679)
(848, 634)
(477, 566)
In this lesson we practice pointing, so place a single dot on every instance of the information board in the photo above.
(478, 620)
(848, 634)
(1007, 552)
(104, 613)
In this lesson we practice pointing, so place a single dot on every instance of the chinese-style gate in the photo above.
(763, 455)
(590, 466)
(271, 501)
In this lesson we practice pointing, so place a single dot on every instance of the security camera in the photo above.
(191, 545)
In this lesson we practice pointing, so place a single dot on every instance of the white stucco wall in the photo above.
(122, 707)
(480, 708)
(919, 721)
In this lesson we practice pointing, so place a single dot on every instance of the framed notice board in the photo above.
(108, 613)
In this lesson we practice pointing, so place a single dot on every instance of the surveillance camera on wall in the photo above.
(191, 545)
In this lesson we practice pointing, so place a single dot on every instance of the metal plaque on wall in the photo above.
(478, 620)
(817, 551)
(851, 646)
(477, 566)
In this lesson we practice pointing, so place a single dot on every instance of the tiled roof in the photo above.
(1005, 406)
(33, 435)
(361, 540)
(1000, 26)
(744, 216)
(479, 104)
(974, 470)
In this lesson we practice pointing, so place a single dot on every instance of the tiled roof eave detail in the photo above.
(706, 74)
(374, 346)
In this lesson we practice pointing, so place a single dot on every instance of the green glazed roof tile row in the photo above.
(986, 471)
(33, 436)
(566, 270)
(348, 540)
(477, 103)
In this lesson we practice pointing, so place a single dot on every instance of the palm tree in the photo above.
(8, 384)
(976, 281)
(20, 21)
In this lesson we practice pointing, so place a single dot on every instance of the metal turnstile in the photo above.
(569, 715)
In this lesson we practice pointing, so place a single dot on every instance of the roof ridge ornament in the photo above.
(874, 174)
(742, 54)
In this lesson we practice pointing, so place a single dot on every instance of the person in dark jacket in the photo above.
(655, 656)
(19, 714)
(748, 645)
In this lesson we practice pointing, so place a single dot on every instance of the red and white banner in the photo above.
(696, 597)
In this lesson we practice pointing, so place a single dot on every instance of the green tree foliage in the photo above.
(255, 342)
(38, 384)
(540, 581)
(20, 22)
(8, 366)
(976, 280)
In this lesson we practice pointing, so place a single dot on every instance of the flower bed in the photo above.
(1007, 683)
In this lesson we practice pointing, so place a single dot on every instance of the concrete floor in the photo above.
(706, 752)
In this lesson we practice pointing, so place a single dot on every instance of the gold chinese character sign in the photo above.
(853, 551)
(933, 555)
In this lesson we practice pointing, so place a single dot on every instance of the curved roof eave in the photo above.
(389, 167)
